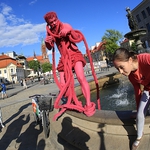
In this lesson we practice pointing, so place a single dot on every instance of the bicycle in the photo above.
(42, 105)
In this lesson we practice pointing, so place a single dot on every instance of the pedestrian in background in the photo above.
(3, 92)
(24, 83)
(107, 63)
(21, 82)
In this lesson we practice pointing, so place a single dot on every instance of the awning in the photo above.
(32, 75)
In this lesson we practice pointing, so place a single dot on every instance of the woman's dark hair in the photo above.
(123, 54)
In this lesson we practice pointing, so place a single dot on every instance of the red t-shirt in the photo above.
(141, 75)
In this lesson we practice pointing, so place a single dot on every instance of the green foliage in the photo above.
(133, 47)
(35, 65)
(112, 38)
(46, 67)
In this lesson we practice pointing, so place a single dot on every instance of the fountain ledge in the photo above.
(106, 129)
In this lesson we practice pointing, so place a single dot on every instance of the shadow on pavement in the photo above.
(24, 141)
(21, 135)
(16, 114)
(13, 131)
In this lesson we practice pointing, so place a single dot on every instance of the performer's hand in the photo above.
(49, 39)
(64, 32)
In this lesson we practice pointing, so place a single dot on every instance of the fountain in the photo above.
(135, 33)
(106, 129)
(116, 97)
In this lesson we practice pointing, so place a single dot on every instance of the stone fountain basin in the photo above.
(136, 33)
(105, 130)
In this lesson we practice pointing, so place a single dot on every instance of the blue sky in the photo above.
(22, 25)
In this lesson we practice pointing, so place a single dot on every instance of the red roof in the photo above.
(39, 58)
(6, 60)
(3, 57)
(101, 46)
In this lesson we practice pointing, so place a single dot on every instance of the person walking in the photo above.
(136, 67)
(3, 92)
(21, 82)
(24, 84)
(107, 63)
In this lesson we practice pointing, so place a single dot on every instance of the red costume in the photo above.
(75, 54)
(63, 35)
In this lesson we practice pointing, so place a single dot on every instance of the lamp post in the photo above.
(37, 65)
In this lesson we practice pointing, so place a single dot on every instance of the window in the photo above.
(148, 27)
(11, 70)
(5, 71)
(148, 10)
(138, 18)
(144, 14)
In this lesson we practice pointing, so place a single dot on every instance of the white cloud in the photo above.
(15, 31)
(5, 9)
(32, 2)
(49, 52)
(2, 21)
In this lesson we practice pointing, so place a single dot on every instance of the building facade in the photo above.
(97, 52)
(142, 15)
(14, 67)
(10, 69)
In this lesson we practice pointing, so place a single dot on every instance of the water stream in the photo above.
(117, 97)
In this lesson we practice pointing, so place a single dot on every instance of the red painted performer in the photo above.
(71, 61)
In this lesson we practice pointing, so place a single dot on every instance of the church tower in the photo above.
(44, 52)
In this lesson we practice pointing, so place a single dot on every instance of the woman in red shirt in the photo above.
(136, 67)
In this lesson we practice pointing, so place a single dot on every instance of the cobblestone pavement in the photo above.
(20, 131)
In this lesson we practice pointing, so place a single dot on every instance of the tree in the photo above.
(35, 65)
(134, 47)
(46, 67)
(112, 38)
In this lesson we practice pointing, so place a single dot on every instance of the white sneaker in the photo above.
(2, 125)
